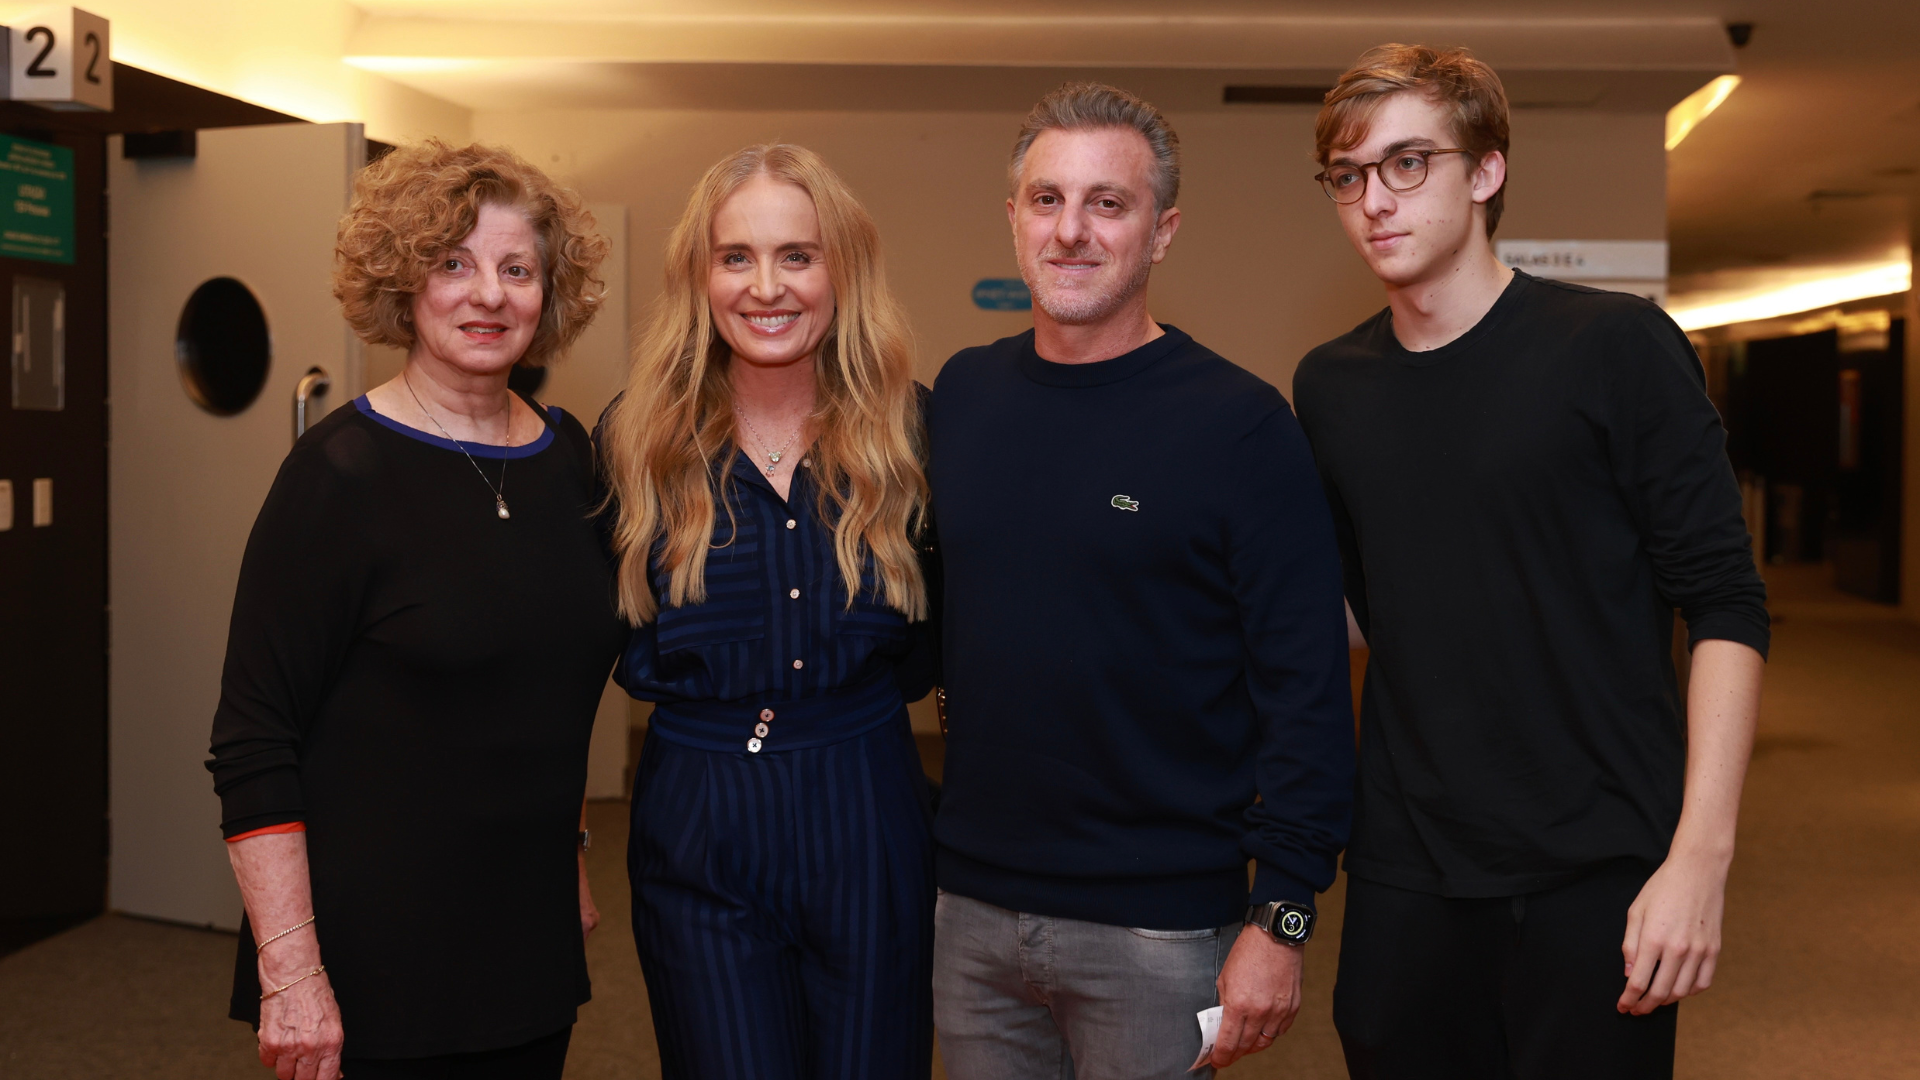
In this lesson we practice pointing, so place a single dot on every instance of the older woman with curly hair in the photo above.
(422, 630)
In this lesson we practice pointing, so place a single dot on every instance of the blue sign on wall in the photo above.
(1002, 294)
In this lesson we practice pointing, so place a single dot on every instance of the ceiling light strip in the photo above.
(1858, 284)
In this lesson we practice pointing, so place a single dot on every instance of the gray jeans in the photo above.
(1033, 997)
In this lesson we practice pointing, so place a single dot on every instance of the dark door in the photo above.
(53, 571)
(1784, 424)
(1866, 541)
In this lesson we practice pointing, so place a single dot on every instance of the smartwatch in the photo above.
(1290, 924)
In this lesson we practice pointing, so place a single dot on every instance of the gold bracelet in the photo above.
(262, 947)
(290, 985)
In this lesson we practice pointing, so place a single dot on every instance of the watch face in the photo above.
(1292, 924)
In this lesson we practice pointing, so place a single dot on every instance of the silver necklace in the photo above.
(773, 456)
(499, 493)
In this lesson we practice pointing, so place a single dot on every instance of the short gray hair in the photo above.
(1081, 106)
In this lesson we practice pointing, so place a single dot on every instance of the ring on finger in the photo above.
(1266, 1035)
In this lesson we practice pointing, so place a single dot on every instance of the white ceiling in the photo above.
(1813, 160)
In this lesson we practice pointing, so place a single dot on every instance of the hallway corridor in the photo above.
(1820, 975)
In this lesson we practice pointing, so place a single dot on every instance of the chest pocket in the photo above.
(735, 609)
(870, 616)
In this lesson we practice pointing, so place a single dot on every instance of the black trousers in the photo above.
(544, 1058)
(1510, 988)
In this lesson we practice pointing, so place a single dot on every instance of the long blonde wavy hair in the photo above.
(670, 439)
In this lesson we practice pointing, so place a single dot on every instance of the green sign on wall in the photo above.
(36, 201)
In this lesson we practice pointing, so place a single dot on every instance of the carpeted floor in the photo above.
(1820, 978)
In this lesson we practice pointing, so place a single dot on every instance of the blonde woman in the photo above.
(766, 467)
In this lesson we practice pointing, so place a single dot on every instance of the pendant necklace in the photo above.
(773, 456)
(499, 492)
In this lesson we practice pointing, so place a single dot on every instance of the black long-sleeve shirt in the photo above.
(1520, 512)
(1145, 653)
(416, 680)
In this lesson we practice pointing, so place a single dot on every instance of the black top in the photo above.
(775, 631)
(416, 679)
(1143, 636)
(1520, 511)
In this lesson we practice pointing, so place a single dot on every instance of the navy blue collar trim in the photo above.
(479, 450)
(1101, 372)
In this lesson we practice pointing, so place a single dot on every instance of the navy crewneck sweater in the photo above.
(1145, 649)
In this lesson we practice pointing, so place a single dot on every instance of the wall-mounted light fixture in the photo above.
(1697, 106)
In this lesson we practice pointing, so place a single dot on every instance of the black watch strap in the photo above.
(1289, 923)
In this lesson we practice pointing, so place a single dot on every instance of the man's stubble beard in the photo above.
(1072, 308)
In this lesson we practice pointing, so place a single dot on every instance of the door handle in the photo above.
(315, 381)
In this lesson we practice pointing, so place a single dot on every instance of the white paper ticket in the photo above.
(1209, 1031)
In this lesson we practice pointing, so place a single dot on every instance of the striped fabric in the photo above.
(783, 909)
(781, 855)
(775, 626)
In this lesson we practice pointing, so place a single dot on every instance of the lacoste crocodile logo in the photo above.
(1125, 503)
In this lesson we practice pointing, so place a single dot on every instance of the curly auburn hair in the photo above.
(417, 203)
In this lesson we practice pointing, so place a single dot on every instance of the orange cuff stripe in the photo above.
(291, 826)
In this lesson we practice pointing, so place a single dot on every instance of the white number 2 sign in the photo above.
(60, 58)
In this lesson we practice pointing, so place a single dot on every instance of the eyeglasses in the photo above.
(1401, 172)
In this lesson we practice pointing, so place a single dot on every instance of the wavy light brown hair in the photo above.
(671, 437)
(419, 202)
(1450, 77)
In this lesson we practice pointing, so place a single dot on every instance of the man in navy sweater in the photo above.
(1145, 651)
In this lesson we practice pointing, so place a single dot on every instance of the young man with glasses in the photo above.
(1145, 659)
(1527, 479)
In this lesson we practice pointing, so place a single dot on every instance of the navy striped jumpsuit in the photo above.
(780, 855)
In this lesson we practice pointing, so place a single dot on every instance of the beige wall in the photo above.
(1260, 271)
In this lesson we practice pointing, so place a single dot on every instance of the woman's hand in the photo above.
(589, 915)
(300, 1033)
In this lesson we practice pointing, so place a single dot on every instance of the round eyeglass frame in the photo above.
(1360, 190)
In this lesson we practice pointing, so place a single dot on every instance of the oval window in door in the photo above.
(222, 346)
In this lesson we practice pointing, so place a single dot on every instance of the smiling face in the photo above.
(1085, 229)
(1412, 237)
(768, 286)
(481, 304)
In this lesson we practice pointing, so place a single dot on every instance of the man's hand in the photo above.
(1259, 994)
(1673, 933)
(1673, 927)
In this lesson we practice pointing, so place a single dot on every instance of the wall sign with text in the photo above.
(1633, 266)
(36, 200)
(60, 58)
(1002, 294)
